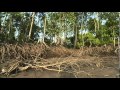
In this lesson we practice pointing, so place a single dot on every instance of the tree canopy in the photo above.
(72, 29)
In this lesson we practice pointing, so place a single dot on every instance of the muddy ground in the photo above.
(38, 61)
(108, 68)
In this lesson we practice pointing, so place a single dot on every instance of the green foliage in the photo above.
(58, 23)
(78, 45)
(90, 39)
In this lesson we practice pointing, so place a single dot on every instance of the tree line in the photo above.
(71, 29)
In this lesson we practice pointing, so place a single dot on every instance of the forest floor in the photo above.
(59, 62)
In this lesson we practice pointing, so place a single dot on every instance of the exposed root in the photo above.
(58, 59)
(69, 64)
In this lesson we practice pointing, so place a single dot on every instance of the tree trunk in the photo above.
(33, 15)
(10, 28)
(113, 38)
(55, 38)
(119, 36)
(82, 28)
(114, 41)
(95, 24)
(97, 20)
(119, 45)
(75, 35)
(0, 23)
(44, 29)
(65, 27)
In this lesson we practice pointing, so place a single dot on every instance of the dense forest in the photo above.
(59, 44)
(71, 29)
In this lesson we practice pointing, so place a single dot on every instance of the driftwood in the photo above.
(69, 64)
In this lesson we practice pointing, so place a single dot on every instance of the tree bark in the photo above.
(33, 15)
(97, 20)
(44, 29)
(95, 24)
(113, 38)
(119, 45)
(75, 35)
(82, 28)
